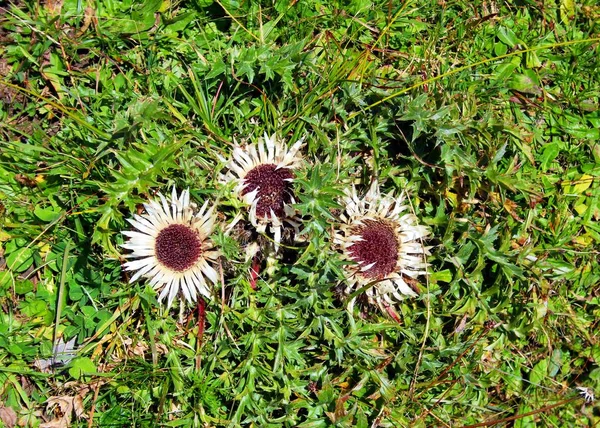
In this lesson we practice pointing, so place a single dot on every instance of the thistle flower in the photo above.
(384, 242)
(264, 175)
(586, 393)
(173, 248)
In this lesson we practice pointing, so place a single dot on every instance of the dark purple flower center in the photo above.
(274, 191)
(379, 245)
(178, 247)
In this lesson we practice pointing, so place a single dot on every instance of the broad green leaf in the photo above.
(556, 362)
(525, 84)
(6, 279)
(23, 286)
(442, 276)
(81, 367)
(539, 372)
(48, 214)
(596, 354)
(20, 260)
(75, 291)
(550, 153)
(507, 36)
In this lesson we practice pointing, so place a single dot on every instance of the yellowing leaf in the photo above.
(584, 182)
(165, 5)
(442, 276)
(567, 11)
(580, 208)
(583, 240)
(579, 185)
(44, 248)
(453, 197)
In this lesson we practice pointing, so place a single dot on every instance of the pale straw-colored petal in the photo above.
(411, 255)
(160, 214)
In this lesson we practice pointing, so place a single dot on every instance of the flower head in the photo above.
(172, 247)
(384, 242)
(586, 393)
(264, 174)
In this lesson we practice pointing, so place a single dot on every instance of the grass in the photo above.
(486, 114)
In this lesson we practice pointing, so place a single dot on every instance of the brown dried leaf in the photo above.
(8, 416)
(78, 407)
(63, 407)
(54, 7)
(89, 18)
(25, 181)
(462, 324)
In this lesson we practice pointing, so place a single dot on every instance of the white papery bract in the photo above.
(384, 243)
(172, 248)
(264, 175)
